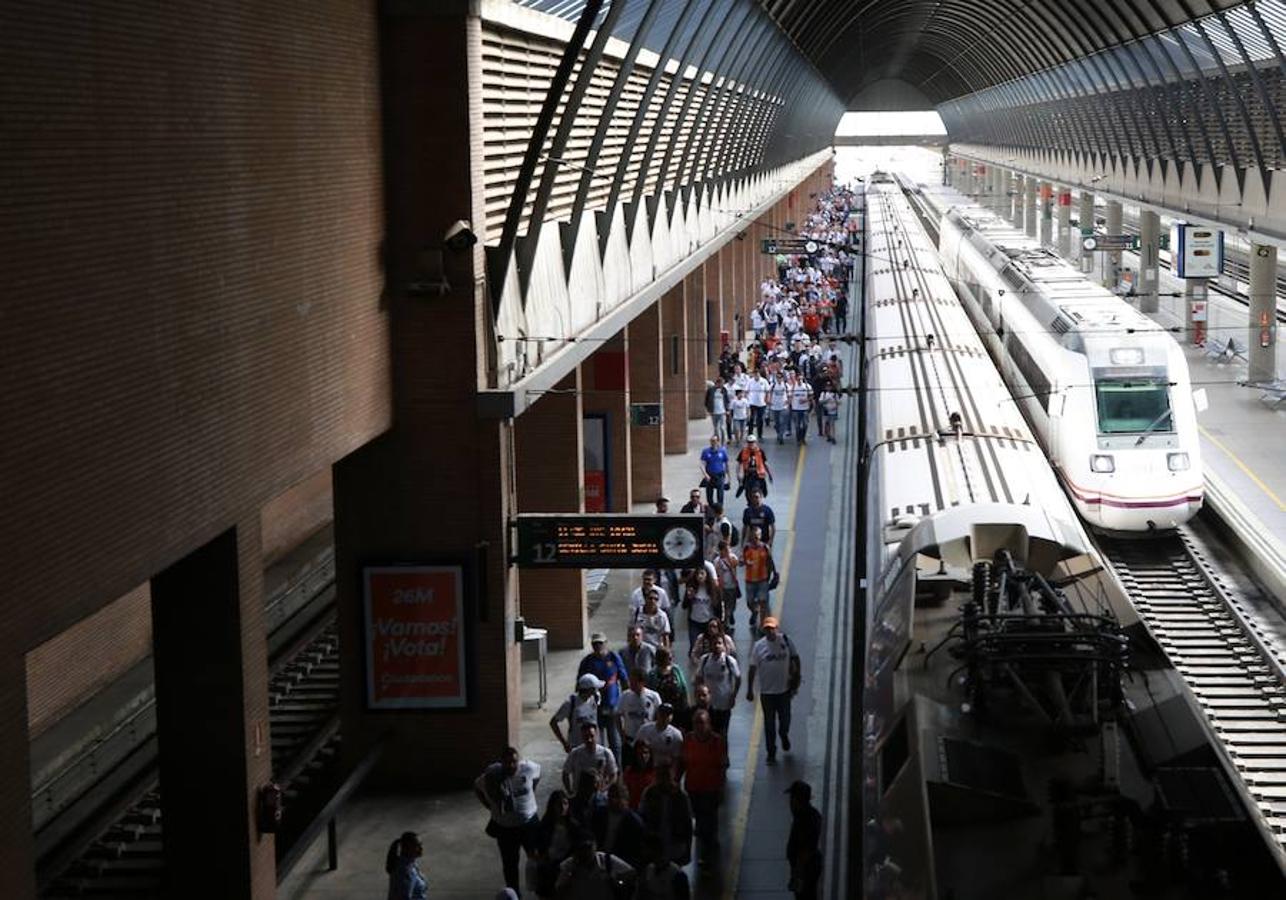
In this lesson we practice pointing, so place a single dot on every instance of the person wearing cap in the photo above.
(775, 661)
(609, 668)
(752, 467)
(578, 709)
(804, 846)
(662, 506)
(589, 757)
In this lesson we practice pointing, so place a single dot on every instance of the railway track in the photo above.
(1231, 663)
(126, 859)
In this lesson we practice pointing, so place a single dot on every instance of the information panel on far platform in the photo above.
(606, 541)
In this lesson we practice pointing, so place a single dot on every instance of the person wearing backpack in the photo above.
(752, 467)
(590, 875)
(578, 709)
(668, 681)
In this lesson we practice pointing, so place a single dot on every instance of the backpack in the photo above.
(735, 539)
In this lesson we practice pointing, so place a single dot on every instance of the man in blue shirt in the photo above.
(714, 470)
(608, 667)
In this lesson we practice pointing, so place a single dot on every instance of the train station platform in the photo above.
(813, 496)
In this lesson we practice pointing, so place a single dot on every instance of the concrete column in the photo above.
(1030, 190)
(1263, 313)
(1046, 214)
(730, 292)
(1112, 261)
(646, 441)
(548, 443)
(674, 372)
(1000, 191)
(414, 494)
(605, 383)
(210, 656)
(1149, 260)
(1065, 242)
(1085, 225)
(712, 278)
(1017, 200)
(694, 308)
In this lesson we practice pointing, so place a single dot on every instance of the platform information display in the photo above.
(608, 541)
(415, 654)
(1196, 251)
(790, 246)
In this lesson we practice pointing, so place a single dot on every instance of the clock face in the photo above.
(678, 544)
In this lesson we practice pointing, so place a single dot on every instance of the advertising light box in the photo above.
(1196, 251)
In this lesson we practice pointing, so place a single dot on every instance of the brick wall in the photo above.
(65, 671)
(294, 514)
(192, 316)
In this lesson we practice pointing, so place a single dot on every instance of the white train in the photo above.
(1105, 388)
(954, 475)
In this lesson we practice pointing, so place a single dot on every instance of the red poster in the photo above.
(595, 491)
(415, 637)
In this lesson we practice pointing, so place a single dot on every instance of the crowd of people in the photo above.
(645, 727)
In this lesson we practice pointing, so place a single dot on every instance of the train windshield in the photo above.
(1128, 407)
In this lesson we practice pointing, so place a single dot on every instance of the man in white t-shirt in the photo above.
(775, 662)
(636, 708)
(801, 401)
(508, 790)
(589, 756)
(740, 414)
(578, 709)
(720, 673)
(665, 740)
(757, 397)
(779, 404)
(649, 583)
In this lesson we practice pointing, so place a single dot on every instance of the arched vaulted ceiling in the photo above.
(950, 48)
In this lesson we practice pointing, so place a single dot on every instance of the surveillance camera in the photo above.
(460, 236)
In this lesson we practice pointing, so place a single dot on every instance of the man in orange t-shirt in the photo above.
(705, 763)
(756, 559)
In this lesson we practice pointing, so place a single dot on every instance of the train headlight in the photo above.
(1102, 463)
(1178, 462)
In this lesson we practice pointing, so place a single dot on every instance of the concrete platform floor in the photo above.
(814, 551)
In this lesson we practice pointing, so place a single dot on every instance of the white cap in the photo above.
(589, 682)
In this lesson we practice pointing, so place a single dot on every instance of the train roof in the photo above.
(1082, 306)
(948, 430)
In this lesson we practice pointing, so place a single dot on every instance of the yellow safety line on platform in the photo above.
(742, 818)
(1244, 468)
